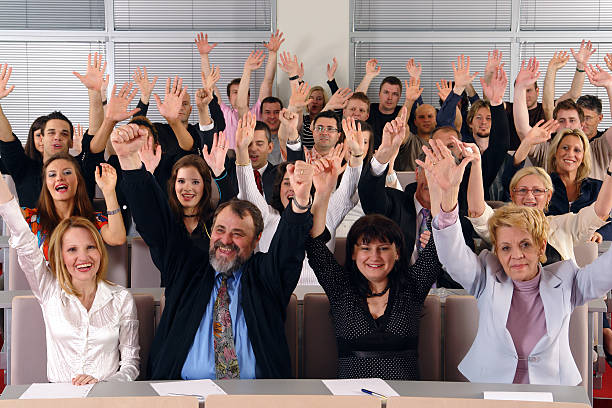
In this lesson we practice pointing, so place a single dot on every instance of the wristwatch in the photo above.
(293, 142)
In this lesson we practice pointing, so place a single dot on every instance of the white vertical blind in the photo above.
(43, 79)
(52, 14)
(434, 15)
(182, 59)
(436, 60)
(226, 15)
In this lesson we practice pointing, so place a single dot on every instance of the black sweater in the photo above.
(268, 281)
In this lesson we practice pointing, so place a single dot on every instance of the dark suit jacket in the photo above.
(293, 155)
(267, 179)
(268, 280)
(399, 206)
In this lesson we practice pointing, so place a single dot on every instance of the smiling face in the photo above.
(481, 123)
(259, 149)
(518, 253)
(530, 191)
(56, 137)
(569, 155)
(375, 259)
(189, 188)
(61, 180)
(232, 241)
(270, 113)
(286, 191)
(38, 140)
(81, 255)
(325, 133)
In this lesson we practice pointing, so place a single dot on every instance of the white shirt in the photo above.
(101, 342)
(340, 203)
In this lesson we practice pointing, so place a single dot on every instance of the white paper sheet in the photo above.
(519, 396)
(354, 387)
(56, 390)
(196, 388)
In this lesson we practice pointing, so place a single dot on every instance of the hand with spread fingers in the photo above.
(331, 70)
(5, 75)
(173, 100)
(118, 105)
(94, 76)
(141, 78)
(528, 74)
(392, 137)
(216, 158)
(204, 47)
(558, 60)
(150, 156)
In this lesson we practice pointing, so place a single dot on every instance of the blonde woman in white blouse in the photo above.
(91, 324)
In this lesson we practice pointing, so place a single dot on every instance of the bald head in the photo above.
(185, 110)
(425, 120)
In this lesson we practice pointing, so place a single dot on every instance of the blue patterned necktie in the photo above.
(226, 361)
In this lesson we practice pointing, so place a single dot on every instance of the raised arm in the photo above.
(93, 79)
(414, 70)
(6, 131)
(113, 233)
(558, 61)
(204, 48)
(116, 111)
(141, 78)
(461, 71)
(600, 78)
(265, 89)
(204, 96)
(582, 60)
(372, 70)
(494, 60)
(475, 192)
(252, 63)
(338, 100)
(526, 76)
(170, 110)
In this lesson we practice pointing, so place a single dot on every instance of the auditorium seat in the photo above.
(291, 331)
(340, 250)
(17, 279)
(320, 355)
(461, 324)
(144, 273)
(118, 262)
(28, 342)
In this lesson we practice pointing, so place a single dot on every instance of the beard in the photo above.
(225, 266)
(483, 135)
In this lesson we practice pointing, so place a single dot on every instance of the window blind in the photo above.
(43, 79)
(159, 15)
(566, 15)
(52, 14)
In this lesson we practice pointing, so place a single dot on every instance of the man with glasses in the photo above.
(326, 132)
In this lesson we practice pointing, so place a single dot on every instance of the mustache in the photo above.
(218, 244)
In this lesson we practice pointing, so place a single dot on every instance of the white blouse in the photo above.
(340, 203)
(101, 342)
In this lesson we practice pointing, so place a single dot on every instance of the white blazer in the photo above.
(563, 286)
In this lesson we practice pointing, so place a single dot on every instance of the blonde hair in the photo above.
(585, 167)
(528, 219)
(532, 171)
(56, 260)
(318, 88)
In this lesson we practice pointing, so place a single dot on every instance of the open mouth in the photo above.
(84, 267)
(188, 196)
(253, 157)
(61, 188)
(374, 266)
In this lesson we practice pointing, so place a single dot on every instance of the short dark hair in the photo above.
(276, 202)
(30, 146)
(259, 125)
(328, 114)
(270, 99)
(391, 80)
(360, 96)
(568, 104)
(590, 102)
(144, 121)
(365, 230)
(58, 115)
(235, 81)
(242, 208)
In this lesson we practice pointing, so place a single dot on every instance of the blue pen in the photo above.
(373, 393)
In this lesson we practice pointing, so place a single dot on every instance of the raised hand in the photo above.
(216, 158)
(583, 54)
(204, 48)
(598, 77)
(494, 59)
(254, 60)
(288, 64)
(558, 60)
(116, 108)
(444, 89)
(339, 99)
(608, 60)
(440, 166)
(300, 177)
(141, 78)
(541, 132)
(413, 89)
(462, 74)
(106, 178)
(288, 118)
(299, 95)
(331, 70)
(173, 99)
(372, 68)
(94, 75)
(203, 97)
(149, 156)
(127, 140)
(392, 137)
(77, 140)
(327, 169)
(5, 75)
(209, 81)
(275, 42)
(245, 131)
(471, 151)
(414, 69)
(496, 87)
(528, 74)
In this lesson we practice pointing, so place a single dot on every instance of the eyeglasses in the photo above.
(521, 191)
(328, 129)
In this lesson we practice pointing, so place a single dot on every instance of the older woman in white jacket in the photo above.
(525, 308)
(91, 324)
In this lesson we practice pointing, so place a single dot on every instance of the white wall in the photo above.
(317, 31)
